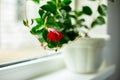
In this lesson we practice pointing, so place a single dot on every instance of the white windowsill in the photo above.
(29, 69)
(65, 74)
(49, 68)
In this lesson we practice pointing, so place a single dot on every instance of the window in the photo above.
(16, 42)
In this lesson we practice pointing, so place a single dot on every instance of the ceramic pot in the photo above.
(84, 55)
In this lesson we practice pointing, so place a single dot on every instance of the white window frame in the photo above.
(30, 69)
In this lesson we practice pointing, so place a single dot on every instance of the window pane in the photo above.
(16, 42)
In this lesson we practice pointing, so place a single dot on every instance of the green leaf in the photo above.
(64, 39)
(73, 16)
(25, 22)
(87, 10)
(66, 2)
(39, 21)
(78, 13)
(81, 21)
(36, 1)
(50, 7)
(46, 14)
(111, 0)
(44, 34)
(61, 25)
(41, 40)
(41, 12)
(52, 44)
(85, 26)
(67, 8)
(53, 5)
(37, 30)
(53, 25)
(72, 35)
(99, 21)
(68, 23)
(102, 9)
(32, 21)
(54, 1)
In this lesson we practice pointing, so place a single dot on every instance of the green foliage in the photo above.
(87, 10)
(57, 14)
(49, 7)
(102, 9)
(98, 21)
(112, 0)
(41, 12)
(36, 1)
(66, 2)
(25, 22)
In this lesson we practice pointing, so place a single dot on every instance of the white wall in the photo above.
(113, 48)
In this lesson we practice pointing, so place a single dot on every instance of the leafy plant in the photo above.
(54, 26)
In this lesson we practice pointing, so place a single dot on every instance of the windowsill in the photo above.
(65, 74)
(49, 68)
(10, 56)
(29, 69)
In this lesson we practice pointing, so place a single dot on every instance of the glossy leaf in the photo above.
(87, 10)
(54, 1)
(41, 12)
(39, 21)
(36, 30)
(49, 7)
(52, 44)
(32, 21)
(44, 34)
(46, 14)
(66, 2)
(41, 40)
(99, 21)
(72, 35)
(25, 22)
(36, 1)
(53, 5)
(67, 8)
(78, 13)
(102, 9)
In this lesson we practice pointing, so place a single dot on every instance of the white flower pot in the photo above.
(84, 55)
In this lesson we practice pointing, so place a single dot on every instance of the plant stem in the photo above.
(57, 2)
(46, 18)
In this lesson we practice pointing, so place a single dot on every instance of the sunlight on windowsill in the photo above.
(7, 56)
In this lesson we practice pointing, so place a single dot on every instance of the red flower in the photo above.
(54, 35)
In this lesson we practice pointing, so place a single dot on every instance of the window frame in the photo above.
(32, 68)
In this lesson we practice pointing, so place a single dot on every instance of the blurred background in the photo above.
(16, 43)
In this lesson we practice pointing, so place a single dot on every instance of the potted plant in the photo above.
(59, 26)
